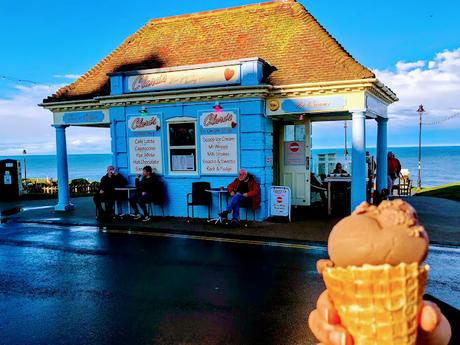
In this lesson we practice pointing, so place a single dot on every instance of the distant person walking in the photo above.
(394, 169)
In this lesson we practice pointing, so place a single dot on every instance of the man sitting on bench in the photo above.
(106, 192)
(244, 189)
(145, 192)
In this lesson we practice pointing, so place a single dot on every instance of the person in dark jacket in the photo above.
(147, 188)
(106, 192)
(244, 187)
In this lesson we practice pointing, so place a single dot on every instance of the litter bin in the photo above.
(10, 179)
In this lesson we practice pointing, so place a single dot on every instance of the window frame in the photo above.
(180, 120)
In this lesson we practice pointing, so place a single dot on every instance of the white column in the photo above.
(64, 203)
(382, 161)
(358, 157)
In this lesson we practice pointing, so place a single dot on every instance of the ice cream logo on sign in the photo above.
(218, 120)
(273, 104)
(144, 124)
(313, 104)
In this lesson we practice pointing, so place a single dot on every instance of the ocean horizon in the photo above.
(439, 163)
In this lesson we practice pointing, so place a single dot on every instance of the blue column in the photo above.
(382, 161)
(64, 203)
(358, 159)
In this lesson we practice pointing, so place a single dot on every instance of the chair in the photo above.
(199, 197)
(247, 205)
(158, 199)
(405, 186)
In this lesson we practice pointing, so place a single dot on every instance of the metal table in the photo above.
(333, 179)
(219, 192)
(128, 190)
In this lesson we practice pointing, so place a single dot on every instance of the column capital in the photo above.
(358, 113)
(60, 126)
(380, 119)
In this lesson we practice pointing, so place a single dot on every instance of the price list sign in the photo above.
(219, 143)
(144, 143)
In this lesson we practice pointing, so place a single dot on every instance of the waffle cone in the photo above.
(378, 304)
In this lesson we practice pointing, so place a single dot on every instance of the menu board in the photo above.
(219, 154)
(219, 143)
(145, 151)
(280, 201)
(144, 143)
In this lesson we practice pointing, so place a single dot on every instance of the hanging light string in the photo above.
(23, 81)
(441, 121)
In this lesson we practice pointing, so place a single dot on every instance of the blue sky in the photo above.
(412, 45)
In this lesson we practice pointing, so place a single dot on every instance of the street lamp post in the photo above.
(24, 152)
(420, 111)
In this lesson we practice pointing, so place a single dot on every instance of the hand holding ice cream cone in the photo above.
(375, 281)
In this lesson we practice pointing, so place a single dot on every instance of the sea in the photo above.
(440, 164)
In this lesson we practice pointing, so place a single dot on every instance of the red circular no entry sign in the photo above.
(279, 200)
(294, 147)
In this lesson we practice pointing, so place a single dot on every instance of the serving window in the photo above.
(182, 147)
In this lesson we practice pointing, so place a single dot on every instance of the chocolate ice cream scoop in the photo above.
(387, 234)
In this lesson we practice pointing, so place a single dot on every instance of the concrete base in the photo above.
(64, 207)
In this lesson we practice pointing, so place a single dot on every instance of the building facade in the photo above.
(199, 96)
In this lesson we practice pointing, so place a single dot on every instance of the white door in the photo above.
(295, 156)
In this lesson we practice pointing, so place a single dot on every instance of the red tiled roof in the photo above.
(283, 33)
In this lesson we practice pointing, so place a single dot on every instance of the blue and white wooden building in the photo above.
(203, 121)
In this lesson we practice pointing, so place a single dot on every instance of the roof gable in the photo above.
(283, 33)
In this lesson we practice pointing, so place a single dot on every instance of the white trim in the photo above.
(181, 119)
(176, 120)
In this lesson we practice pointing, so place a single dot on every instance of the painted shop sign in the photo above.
(144, 123)
(212, 76)
(83, 117)
(305, 105)
(144, 142)
(219, 145)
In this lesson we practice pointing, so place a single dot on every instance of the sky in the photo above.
(413, 47)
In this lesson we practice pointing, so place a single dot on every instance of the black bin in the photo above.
(10, 179)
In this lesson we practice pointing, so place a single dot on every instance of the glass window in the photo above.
(294, 133)
(289, 133)
(182, 147)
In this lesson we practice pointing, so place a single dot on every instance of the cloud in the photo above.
(24, 125)
(434, 83)
(406, 66)
(67, 76)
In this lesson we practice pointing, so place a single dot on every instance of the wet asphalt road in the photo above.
(79, 285)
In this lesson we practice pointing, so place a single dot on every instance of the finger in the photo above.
(323, 264)
(429, 317)
(327, 310)
(326, 333)
(439, 336)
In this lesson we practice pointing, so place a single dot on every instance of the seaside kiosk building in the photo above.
(199, 96)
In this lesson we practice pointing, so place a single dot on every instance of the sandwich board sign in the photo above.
(280, 201)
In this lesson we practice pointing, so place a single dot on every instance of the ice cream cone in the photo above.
(378, 304)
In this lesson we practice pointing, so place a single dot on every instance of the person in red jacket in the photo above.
(394, 169)
(244, 187)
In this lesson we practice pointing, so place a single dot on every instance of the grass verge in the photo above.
(447, 191)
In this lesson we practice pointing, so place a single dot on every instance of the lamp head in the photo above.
(420, 109)
(143, 111)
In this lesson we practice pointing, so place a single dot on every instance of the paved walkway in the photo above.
(441, 217)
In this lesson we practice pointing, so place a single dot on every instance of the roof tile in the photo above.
(283, 33)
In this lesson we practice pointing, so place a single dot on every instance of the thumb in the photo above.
(434, 327)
